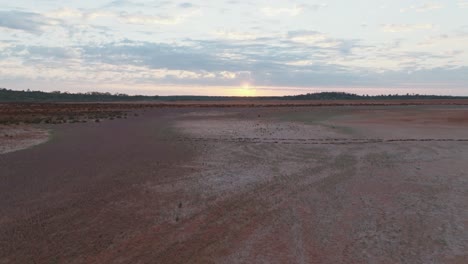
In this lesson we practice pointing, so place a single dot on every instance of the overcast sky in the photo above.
(235, 47)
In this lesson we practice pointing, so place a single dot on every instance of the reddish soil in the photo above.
(348, 184)
(73, 198)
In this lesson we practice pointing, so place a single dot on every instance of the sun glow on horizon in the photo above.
(246, 90)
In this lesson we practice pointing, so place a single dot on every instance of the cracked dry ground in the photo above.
(244, 185)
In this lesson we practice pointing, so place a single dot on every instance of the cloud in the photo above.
(199, 62)
(321, 40)
(314, 7)
(394, 28)
(99, 73)
(307, 37)
(423, 8)
(446, 43)
(235, 35)
(463, 4)
(53, 53)
(186, 5)
(142, 19)
(67, 13)
(4, 45)
(123, 3)
(453, 52)
(83, 65)
(394, 57)
(203, 63)
(300, 63)
(88, 41)
(160, 55)
(279, 11)
(25, 21)
(124, 17)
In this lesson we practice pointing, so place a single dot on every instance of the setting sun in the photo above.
(246, 90)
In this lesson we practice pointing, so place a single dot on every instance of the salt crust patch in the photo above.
(14, 138)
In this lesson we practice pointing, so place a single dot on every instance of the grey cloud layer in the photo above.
(25, 21)
(264, 65)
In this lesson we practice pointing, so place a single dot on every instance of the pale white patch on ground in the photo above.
(369, 202)
(14, 138)
(226, 128)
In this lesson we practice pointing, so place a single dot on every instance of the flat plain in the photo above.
(249, 182)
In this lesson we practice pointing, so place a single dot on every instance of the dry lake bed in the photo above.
(241, 183)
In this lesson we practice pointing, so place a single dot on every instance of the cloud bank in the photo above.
(181, 45)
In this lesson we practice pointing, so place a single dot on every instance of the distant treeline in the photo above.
(351, 96)
(38, 96)
(57, 96)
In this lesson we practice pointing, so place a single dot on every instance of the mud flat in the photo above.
(329, 184)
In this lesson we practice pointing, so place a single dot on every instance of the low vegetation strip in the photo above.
(53, 113)
(15, 113)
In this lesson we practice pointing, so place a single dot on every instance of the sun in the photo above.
(246, 90)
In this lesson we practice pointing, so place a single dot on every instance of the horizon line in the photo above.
(233, 96)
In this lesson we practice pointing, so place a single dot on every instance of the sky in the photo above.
(235, 47)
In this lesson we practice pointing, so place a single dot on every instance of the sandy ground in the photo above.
(349, 184)
(14, 138)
